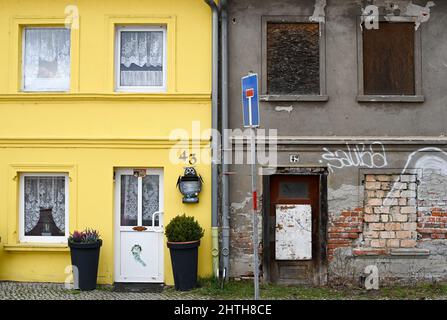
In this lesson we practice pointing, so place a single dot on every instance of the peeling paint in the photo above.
(319, 13)
(396, 10)
(293, 240)
(287, 109)
(344, 198)
(422, 14)
(240, 205)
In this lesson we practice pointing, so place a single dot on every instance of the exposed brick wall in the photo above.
(396, 214)
(432, 225)
(344, 230)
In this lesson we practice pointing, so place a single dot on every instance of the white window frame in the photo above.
(152, 89)
(23, 62)
(41, 239)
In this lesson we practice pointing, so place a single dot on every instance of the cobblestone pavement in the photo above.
(56, 291)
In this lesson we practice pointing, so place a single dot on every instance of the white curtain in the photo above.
(151, 190)
(44, 193)
(141, 58)
(129, 200)
(47, 59)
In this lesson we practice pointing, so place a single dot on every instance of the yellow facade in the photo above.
(92, 130)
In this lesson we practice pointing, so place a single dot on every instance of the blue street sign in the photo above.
(250, 100)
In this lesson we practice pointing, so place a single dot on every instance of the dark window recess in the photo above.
(293, 190)
(388, 59)
(293, 58)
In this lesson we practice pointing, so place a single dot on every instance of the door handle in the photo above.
(139, 229)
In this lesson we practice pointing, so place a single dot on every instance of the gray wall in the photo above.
(310, 127)
(341, 115)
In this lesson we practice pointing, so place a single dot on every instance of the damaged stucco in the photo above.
(319, 12)
(286, 109)
(397, 10)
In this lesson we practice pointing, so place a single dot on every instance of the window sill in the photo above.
(380, 98)
(36, 247)
(398, 252)
(410, 252)
(293, 98)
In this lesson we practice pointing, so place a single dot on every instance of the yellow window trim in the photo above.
(12, 216)
(15, 53)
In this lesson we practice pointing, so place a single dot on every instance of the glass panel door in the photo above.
(139, 244)
(129, 200)
(151, 199)
(140, 199)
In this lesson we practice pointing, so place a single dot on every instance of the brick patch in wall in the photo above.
(390, 219)
(432, 225)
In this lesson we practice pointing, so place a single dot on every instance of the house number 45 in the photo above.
(191, 158)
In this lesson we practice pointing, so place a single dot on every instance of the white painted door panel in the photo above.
(139, 256)
(139, 226)
(293, 235)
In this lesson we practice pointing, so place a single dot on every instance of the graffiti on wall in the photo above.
(425, 159)
(360, 155)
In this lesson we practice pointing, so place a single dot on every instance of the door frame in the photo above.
(321, 272)
(117, 219)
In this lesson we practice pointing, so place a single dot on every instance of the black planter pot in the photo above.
(85, 256)
(184, 264)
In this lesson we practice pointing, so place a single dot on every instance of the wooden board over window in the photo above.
(293, 58)
(389, 59)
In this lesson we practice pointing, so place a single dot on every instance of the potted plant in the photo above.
(84, 248)
(184, 234)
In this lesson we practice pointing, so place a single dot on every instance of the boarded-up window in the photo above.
(388, 59)
(293, 58)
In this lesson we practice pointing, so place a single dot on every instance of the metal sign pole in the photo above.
(255, 211)
(251, 120)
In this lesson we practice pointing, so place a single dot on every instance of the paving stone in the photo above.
(56, 291)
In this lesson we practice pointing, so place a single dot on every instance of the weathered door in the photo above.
(294, 229)
(139, 225)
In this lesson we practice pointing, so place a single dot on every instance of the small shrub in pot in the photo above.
(184, 234)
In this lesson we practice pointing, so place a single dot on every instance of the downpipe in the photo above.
(225, 251)
(215, 138)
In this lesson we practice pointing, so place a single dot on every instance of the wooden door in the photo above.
(294, 229)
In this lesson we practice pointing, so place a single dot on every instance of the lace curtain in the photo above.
(151, 191)
(44, 193)
(129, 200)
(141, 58)
(47, 59)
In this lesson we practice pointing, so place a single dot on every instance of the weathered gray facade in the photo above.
(381, 161)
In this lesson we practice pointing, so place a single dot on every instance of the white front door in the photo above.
(139, 225)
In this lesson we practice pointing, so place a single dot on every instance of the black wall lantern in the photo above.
(190, 185)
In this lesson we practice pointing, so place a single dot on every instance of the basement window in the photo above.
(141, 59)
(293, 60)
(43, 208)
(389, 63)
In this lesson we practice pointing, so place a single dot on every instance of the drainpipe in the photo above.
(215, 141)
(226, 146)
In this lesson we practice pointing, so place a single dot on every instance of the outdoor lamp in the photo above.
(190, 185)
